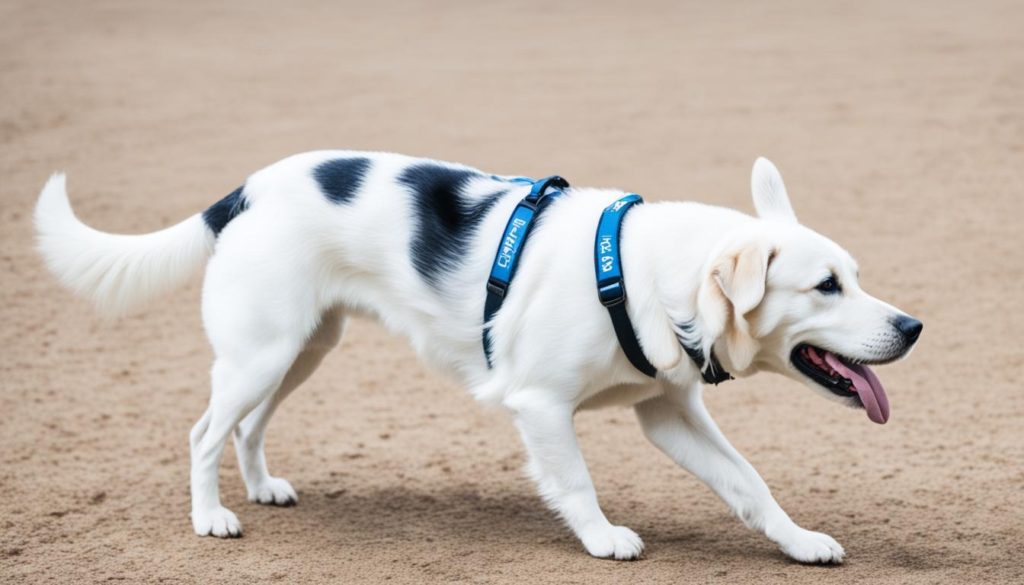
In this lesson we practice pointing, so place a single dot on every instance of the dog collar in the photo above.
(611, 291)
(714, 373)
(511, 245)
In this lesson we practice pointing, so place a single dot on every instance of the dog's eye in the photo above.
(829, 286)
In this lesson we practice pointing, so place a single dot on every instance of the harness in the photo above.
(611, 287)
(611, 291)
(512, 241)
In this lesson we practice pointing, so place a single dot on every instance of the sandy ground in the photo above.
(899, 127)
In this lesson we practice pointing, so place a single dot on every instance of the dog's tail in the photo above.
(118, 273)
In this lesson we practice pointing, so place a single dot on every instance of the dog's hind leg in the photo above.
(681, 427)
(239, 385)
(557, 465)
(249, 435)
(258, 325)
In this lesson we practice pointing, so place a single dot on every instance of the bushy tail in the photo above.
(118, 273)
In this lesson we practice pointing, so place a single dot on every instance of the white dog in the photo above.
(320, 236)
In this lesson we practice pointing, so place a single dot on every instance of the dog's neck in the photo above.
(666, 252)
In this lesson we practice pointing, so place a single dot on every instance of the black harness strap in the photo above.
(714, 373)
(611, 286)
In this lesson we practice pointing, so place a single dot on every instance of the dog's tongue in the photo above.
(868, 387)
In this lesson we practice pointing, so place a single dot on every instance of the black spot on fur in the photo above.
(220, 213)
(446, 218)
(341, 178)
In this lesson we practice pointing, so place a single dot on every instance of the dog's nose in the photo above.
(909, 327)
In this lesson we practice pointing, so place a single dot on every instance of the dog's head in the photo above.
(784, 298)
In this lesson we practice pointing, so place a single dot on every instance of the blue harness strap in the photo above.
(611, 290)
(611, 287)
(511, 245)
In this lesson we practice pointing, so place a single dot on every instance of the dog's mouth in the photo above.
(843, 377)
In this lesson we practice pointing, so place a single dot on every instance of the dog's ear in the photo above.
(769, 192)
(733, 287)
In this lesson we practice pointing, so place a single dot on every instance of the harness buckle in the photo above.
(497, 287)
(612, 293)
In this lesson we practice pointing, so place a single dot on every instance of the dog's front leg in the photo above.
(681, 427)
(557, 465)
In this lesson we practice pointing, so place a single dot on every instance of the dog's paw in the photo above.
(275, 491)
(806, 546)
(219, 522)
(617, 542)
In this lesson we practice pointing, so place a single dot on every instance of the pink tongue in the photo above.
(868, 387)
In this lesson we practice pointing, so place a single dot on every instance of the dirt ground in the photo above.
(899, 127)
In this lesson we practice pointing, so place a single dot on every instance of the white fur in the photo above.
(771, 200)
(288, 271)
(118, 273)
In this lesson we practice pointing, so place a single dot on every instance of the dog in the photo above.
(322, 236)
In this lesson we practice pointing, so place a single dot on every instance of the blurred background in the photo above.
(899, 127)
